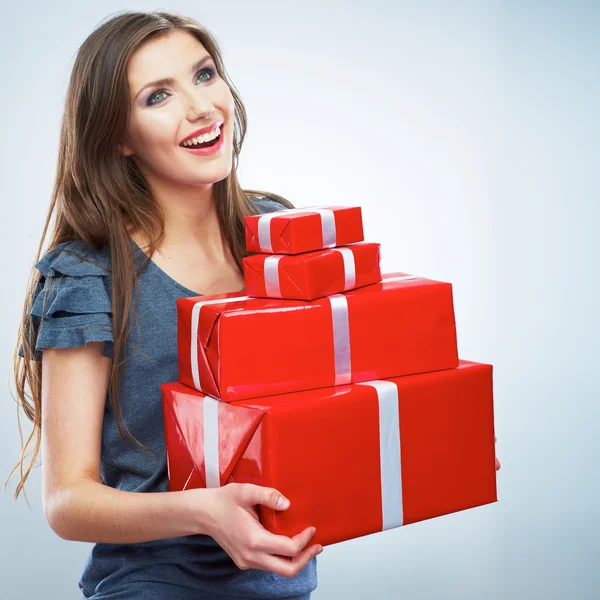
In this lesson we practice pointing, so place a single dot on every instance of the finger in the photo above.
(288, 567)
(258, 494)
(495, 439)
(284, 545)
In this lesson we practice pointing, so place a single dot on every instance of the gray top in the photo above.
(78, 311)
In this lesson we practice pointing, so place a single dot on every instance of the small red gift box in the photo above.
(312, 274)
(234, 347)
(353, 460)
(291, 231)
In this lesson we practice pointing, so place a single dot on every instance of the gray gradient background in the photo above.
(468, 134)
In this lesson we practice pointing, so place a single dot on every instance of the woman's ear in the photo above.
(124, 150)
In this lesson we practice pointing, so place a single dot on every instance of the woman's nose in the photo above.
(199, 107)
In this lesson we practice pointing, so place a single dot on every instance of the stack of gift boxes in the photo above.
(338, 386)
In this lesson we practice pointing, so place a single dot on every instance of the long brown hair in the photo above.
(99, 195)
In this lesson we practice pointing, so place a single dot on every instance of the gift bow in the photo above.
(392, 512)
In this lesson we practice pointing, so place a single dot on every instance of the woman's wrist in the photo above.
(196, 508)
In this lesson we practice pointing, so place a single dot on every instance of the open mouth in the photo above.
(206, 144)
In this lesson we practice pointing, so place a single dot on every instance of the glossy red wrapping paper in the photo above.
(255, 347)
(314, 274)
(300, 230)
(321, 449)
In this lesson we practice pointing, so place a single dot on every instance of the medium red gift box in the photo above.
(312, 274)
(233, 347)
(291, 231)
(354, 459)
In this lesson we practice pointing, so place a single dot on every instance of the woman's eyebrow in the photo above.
(170, 80)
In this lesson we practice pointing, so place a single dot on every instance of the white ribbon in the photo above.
(271, 270)
(194, 333)
(349, 267)
(327, 225)
(390, 465)
(341, 333)
(211, 441)
(341, 339)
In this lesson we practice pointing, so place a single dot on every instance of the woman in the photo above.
(141, 219)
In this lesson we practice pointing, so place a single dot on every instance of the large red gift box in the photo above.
(291, 231)
(312, 274)
(353, 459)
(234, 347)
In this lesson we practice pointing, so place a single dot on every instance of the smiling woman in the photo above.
(148, 210)
(187, 103)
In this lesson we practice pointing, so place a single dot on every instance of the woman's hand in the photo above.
(234, 524)
(497, 461)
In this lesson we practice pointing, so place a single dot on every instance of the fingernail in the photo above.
(282, 503)
(319, 550)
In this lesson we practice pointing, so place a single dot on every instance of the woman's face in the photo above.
(164, 114)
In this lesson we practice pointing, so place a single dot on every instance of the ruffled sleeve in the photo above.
(71, 303)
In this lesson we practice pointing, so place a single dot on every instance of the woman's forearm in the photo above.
(89, 511)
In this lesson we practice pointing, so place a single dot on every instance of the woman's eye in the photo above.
(210, 71)
(154, 96)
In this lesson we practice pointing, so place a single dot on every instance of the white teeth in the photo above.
(207, 137)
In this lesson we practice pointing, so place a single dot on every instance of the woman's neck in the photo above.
(191, 226)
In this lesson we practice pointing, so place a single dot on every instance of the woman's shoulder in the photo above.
(267, 203)
(71, 303)
(74, 258)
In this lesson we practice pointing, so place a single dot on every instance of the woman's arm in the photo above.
(76, 504)
(79, 507)
(88, 511)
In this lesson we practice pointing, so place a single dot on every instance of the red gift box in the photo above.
(291, 231)
(233, 347)
(354, 459)
(312, 274)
